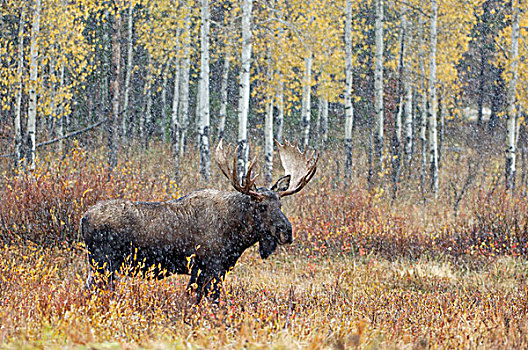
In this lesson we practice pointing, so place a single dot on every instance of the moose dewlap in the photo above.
(203, 233)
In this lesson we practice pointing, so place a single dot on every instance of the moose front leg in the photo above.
(205, 283)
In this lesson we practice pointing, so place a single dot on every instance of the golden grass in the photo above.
(288, 301)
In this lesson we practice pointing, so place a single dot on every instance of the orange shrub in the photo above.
(45, 205)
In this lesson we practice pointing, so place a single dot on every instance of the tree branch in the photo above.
(55, 140)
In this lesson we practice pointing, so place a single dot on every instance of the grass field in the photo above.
(364, 271)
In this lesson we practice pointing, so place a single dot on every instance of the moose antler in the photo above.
(297, 165)
(222, 156)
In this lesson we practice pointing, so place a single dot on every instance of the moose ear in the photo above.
(282, 184)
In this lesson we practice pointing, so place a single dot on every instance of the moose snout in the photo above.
(285, 233)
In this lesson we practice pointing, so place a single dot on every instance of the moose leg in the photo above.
(213, 285)
(196, 283)
(102, 270)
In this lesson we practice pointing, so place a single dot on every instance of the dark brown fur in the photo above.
(213, 227)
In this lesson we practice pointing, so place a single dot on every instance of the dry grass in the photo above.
(285, 302)
(364, 271)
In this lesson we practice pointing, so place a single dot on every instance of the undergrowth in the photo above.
(364, 270)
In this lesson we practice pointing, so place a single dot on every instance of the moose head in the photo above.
(273, 226)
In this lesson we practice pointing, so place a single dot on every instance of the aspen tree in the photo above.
(33, 86)
(422, 104)
(378, 89)
(349, 108)
(243, 99)
(280, 113)
(324, 122)
(19, 150)
(407, 91)
(129, 72)
(397, 131)
(268, 143)
(114, 121)
(306, 100)
(185, 81)
(223, 94)
(146, 119)
(511, 136)
(203, 100)
(433, 132)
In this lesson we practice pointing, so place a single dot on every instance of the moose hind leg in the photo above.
(213, 285)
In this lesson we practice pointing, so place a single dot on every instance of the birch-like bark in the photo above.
(349, 108)
(396, 143)
(442, 110)
(166, 121)
(280, 114)
(268, 143)
(33, 83)
(175, 122)
(128, 76)
(52, 87)
(146, 119)
(306, 100)
(203, 122)
(423, 106)
(223, 97)
(114, 122)
(407, 91)
(433, 132)
(378, 89)
(184, 92)
(19, 147)
(60, 112)
(324, 123)
(511, 134)
(243, 101)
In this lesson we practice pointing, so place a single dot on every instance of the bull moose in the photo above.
(203, 233)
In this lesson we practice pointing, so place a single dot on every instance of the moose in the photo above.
(203, 233)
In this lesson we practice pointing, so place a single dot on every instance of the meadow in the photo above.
(365, 270)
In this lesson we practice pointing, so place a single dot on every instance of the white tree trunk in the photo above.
(511, 136)
(130, 52)
(324, 123)
(19, 148)
(203, 121)
(378, 87)
(268, 143)
(166, 122)
(146, 119)
(442, 109)
(280, 114)
(60, 112)
(407, 91)
(423, 106)
(33, 83)
(349, 108)
(243, 101)
(223, 97)
(306, 100)
(114, 122)
(184, 94)
(433, 132)
(397, 132)
(175, 122)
